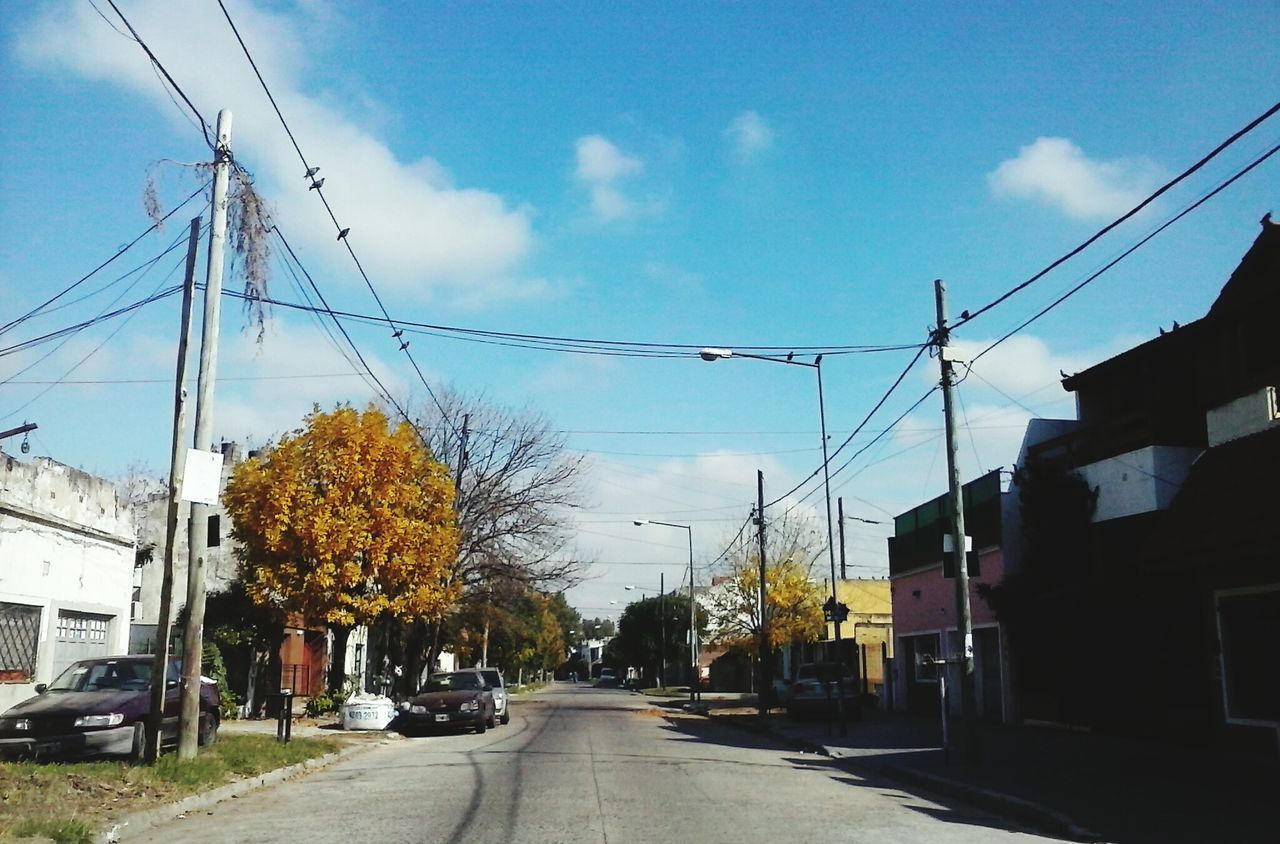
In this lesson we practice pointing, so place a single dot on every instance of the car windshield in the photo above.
(492, 677)
(133, 675)
(452, 683)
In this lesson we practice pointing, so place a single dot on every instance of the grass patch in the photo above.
(69, 802)
(667, 691)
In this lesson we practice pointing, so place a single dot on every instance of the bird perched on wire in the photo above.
(311, 171)
(317, 184)
(343, 233)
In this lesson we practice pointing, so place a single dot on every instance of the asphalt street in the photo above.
(579, 764)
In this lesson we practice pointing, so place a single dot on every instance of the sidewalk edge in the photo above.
(147, 818)
(997, 802)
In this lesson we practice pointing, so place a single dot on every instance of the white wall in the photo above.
(1138, 481)
(66, 543)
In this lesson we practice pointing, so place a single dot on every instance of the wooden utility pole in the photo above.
(160, 665)
(964, 620)
(198, 526)
(764, 694)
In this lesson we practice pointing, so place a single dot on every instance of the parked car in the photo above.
(98, 707)
(608, 679)
(493, 677)
(450, 701)
(815, 692)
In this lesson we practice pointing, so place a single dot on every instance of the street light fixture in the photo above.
(712, 354)
(693, 606)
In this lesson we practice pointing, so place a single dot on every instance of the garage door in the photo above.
(79, 636)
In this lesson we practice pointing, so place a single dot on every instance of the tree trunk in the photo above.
(484, 647)
(338, 659)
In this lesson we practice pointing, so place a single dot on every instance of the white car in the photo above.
(493, 677)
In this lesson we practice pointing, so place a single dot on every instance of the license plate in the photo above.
(442, 717)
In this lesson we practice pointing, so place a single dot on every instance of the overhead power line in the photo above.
(1126, 253)
(123, 249)
(573, 345)
(969, 316)
(155, 62)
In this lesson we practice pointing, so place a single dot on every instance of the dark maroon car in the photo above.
(457, 700)
(98, 707)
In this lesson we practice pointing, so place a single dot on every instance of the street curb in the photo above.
(147, 818)
(997, 802)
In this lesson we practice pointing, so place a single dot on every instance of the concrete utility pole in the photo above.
(198, 526)
(662, 625)
(160, 665)
(964, 620)
(764, 694)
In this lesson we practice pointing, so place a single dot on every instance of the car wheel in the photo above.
(208, 730)
(138, 748)
(506, 718)
(481, 727)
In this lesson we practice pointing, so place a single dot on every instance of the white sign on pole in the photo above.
(201, 476)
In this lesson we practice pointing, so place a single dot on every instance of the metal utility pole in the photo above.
(160, 664)
(764, 694)
(964, 620)
(840, 521)
(198, 526)
(693, 627)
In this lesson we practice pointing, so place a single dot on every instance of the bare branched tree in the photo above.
(517, 492)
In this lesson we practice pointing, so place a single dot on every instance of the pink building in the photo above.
(924, 601)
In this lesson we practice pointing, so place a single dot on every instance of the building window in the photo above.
(19, 639)
(921, 651)
(215, 531)
(1249, 627)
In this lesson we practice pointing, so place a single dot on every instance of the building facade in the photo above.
(66, 566)
(924, 600)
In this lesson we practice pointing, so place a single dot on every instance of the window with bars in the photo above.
(19, 639)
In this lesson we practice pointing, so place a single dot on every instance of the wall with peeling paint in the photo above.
(66, 546)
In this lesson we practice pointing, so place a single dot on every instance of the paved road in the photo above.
(585, 765)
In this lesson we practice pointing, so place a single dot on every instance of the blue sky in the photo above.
(712, 174)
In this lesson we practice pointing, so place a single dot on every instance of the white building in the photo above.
(66, 572)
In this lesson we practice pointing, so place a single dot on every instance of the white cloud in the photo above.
(1057, 172)
(414, 228)
(288, 362)
(600, 165)
(750, 135)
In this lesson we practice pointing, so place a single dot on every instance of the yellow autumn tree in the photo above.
(794, 601)
(346, 521)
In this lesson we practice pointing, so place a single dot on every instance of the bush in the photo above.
(322, 705)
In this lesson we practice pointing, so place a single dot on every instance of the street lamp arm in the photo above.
(714, 354)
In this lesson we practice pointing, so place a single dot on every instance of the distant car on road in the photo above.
(815, 692)
(608, 679)
(450, 701)
(493, 677)
(98, 707)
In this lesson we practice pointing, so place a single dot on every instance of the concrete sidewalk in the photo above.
(1070, 784)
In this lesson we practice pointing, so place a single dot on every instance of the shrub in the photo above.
(322, 705)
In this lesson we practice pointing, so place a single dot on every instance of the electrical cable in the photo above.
(204, 124)
(123, 249)
(892, 387)
(969, 316)
(1126, 253)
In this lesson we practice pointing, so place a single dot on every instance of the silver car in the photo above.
(493, 678)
